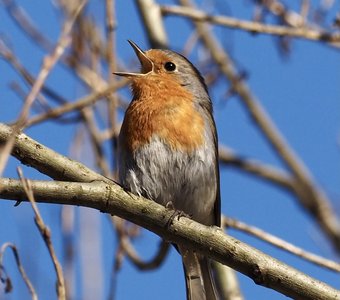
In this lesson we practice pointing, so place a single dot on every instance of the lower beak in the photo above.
(146, 63)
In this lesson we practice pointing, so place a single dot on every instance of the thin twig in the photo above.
(127, 249)
(153, 23)
(138, 262)
(48, 63)
(67, 218)
(84, 73)
(255, 27)
(266, 172)
(112, 62)
(63, 120)
(14, 62)
(77, 104)
(6, 279)
(227, 282)
(19, 15)
(46, 235)
(285, 15)
(281, 244)
(96, 141)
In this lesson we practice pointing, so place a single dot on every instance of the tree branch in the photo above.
(152, 19)
(45, 233)
(265, 172)
(5, 278)
(281, 244)
(77, 104)
(112, 199)
(254, 27)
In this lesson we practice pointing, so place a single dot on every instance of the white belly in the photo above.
(187, 180)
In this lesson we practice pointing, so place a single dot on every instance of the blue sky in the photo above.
(299, 92)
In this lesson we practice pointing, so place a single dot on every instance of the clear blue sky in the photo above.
(301, 94)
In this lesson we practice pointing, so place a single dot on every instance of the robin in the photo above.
(168, 149)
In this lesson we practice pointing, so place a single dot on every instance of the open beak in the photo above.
(146, 63)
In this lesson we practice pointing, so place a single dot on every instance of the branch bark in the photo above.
(107, 197)
(212, 241)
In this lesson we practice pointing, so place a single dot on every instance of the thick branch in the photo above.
(212, 241)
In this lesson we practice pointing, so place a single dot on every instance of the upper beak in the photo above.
(146, 63)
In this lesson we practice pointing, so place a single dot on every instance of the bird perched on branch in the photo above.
(168, 150)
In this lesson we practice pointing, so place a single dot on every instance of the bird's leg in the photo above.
(177, 213)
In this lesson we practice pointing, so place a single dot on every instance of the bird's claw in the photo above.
(177, 213)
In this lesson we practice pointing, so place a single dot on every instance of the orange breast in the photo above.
(165, 109)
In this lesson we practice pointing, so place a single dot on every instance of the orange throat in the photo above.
(153, 113)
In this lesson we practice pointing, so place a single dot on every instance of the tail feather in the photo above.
(198, 275)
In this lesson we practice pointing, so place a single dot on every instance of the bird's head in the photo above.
(165, 68)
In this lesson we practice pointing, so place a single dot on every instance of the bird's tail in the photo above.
(198, 276)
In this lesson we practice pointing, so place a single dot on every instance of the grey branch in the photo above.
(5, 278)
(152, 18)
(254, 27)
(46, 236)
(265, 172)
(277, 242)
(101, 194)
(212, 241)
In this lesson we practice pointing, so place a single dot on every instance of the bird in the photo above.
(167, 150)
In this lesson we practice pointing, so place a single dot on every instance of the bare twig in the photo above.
(61, 120)
(22, 19)
(255, 27)
(153, 22)
(69, 254)
(227, 282)
(96, 142)
(266, 172)
(84, 73)
(112, 62)
(14, 62)
(4, 277)
(138, 262)
(46, 235)
(279, 243)
(284, 14)
(78, 104)
(128, 250)
(48, 63)
(305, 7)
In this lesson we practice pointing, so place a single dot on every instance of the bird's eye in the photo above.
(170, 66)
